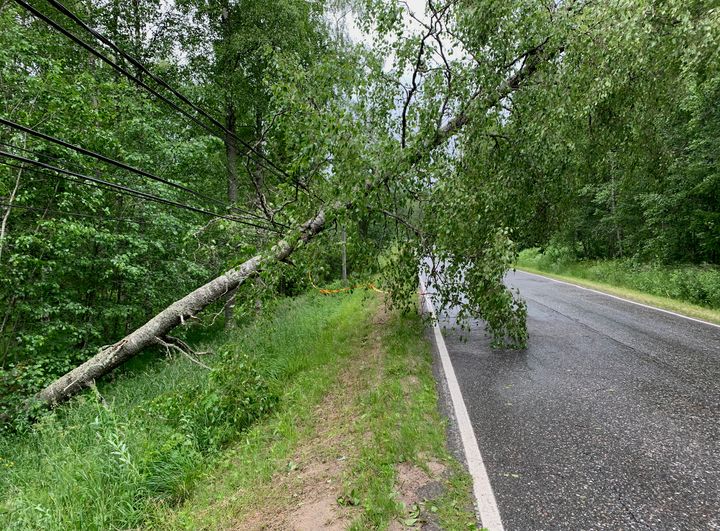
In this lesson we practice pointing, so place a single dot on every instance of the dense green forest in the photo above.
(147, 147)
(615, 153)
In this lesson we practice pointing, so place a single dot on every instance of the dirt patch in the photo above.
(410, 481)
(415, 486)
(304, 495)
(309, 504)
(321, 514)
(383, 313)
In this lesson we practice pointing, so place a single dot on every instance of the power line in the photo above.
(144, 85)
(78, 214)
(80, 169)
(101, 184)
(41, 155)
(135, 62)
(45, 174)
(100, 157)
(130, 191)
(119, 164)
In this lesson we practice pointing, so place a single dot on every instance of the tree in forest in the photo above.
(606, 157)
(249, 41)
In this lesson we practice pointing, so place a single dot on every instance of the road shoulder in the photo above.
(673, 306)
(369, 452)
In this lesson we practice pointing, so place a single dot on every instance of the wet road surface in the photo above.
(609, 420)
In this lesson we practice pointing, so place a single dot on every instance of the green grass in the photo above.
(387, 415)
(401, 414)
(115, 457)
(690, 290)
(249, 464)
(170, 445)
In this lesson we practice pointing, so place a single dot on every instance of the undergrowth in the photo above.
(117, 453)
(694, 284)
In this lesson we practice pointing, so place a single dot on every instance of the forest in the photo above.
(170, 169)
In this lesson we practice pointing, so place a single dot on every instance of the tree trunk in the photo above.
(177, 313)
(231, 154)
(344, 255)
(8, 209)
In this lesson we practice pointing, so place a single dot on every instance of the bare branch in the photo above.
(172, 346)
(8, 209)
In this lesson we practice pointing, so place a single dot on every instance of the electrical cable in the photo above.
(141, 83)
(130, 191)
(103, 158)
(119, 164)
(45, 174)
(78, 169)
(78, 214)
(135, 62)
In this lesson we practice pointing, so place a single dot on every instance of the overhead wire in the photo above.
(130, 191)
(63, 177)
(49, 176)
(273, 167)
(69, 213)
(46, 174)
(264, 161)
(40, 154)
(119, 164)
(138, 64)
(102, 158)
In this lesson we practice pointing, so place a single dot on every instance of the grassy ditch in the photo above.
(111, 457)
(173, 445)
(690, 290)
(359, 445)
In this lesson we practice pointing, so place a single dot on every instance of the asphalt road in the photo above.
(609, 420)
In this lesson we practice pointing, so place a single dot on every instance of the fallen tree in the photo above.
(156, 330)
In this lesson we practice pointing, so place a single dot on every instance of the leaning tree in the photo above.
(381, 130)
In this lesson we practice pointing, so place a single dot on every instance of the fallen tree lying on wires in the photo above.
(156, 330)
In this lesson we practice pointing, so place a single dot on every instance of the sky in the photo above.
(357, 35)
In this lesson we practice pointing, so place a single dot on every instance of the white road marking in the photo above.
(486, 504)
(620, 298)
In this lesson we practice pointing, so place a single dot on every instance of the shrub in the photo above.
(211, 413)
(697, 284)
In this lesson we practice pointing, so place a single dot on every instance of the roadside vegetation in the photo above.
(689, 289)
(150, 148)
(152, 447)
(360, 445)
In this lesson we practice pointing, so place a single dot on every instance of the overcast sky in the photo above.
(357, 35)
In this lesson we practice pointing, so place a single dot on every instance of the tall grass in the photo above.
(110, 457)
(695, 284)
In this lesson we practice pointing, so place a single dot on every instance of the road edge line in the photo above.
(487, 508)
(621, 298)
